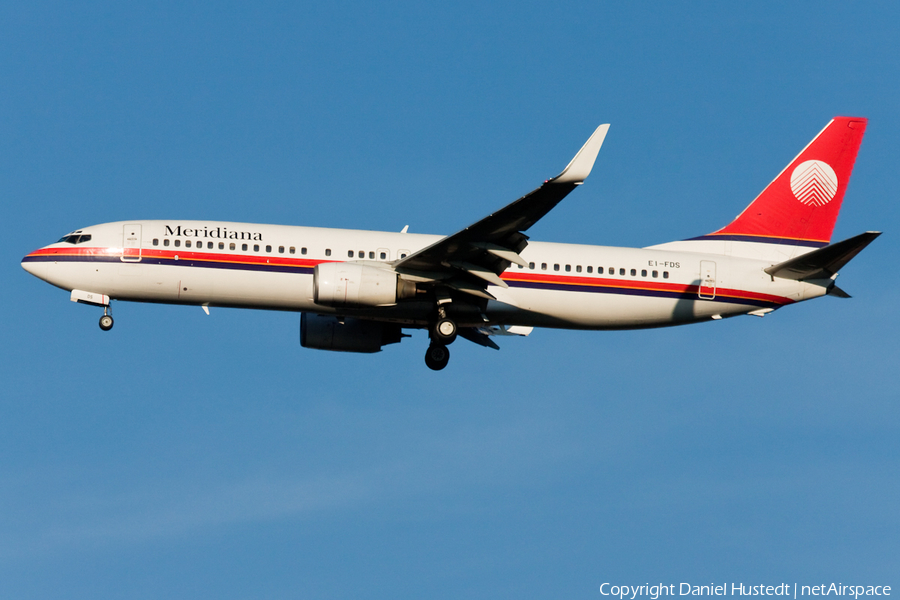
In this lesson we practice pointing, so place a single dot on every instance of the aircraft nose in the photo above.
(30, 264)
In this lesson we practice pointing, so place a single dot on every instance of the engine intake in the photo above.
(350, 284)
(324, 332)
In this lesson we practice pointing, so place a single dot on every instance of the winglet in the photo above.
(580, 167)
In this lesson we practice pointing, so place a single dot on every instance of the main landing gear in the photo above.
(442, 333)
(437, 357)
(106, 321)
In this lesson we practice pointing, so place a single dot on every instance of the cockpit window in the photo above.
(75, 239)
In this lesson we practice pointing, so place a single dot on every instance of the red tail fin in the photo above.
(801, 206)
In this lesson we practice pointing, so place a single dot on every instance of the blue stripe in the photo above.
(759, 239)
(538, 285)
(624, 291)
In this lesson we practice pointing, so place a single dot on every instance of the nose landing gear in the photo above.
(106, 321)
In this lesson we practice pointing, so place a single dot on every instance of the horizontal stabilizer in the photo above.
(824, 262)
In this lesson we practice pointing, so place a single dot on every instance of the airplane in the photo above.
(357, 290)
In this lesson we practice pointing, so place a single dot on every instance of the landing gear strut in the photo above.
(106, 321)
(437, 357)
(443, 332)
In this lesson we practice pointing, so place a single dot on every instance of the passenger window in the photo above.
(521, 266)
(543, 266)
(621, 271)
(591, 269)
(634, 272)
(531, 265)
(165, 242)
(568, 268)
(221, 245)
(156, 241)
(372, 255)
(403, 255)
(244, 247)
(349, 253)
(643, 272)
(599, 270)
(302, 250)
(177, 243)
(292, 250)
(556, 267)
(655, 274)
(231, 246)
(361, 254)
(665, 274)
(383, 255)
(578, 269)
(209, 245)
(327, 251)
(268, 248)
(280, 249)
(256, 247)
(187, 243)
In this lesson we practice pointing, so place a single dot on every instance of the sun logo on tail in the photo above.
(814, 183)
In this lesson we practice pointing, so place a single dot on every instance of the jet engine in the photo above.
(324, 332)
(350, 284)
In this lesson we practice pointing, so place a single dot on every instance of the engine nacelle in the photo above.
(346, 335)
(350, 284)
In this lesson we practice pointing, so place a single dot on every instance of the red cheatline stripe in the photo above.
(182, 255)
(605, 282)
(650, 286)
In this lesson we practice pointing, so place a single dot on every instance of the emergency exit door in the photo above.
(707, 289)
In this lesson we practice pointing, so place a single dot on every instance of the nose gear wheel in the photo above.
(106, 321)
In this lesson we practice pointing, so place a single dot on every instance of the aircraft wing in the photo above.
(470, 259)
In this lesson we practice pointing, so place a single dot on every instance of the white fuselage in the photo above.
(564, 285)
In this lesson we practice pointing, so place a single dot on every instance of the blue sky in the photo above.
(189, 456)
